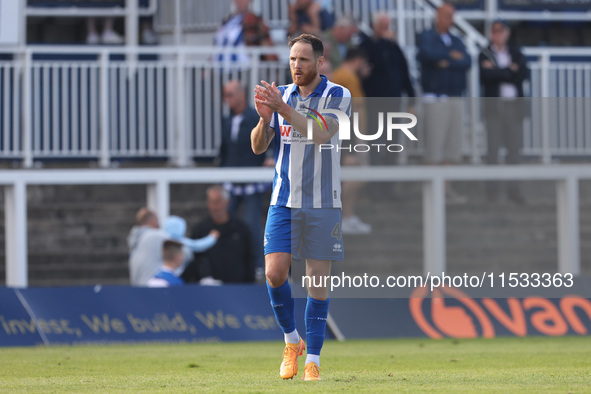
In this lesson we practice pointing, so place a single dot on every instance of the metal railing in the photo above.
(170, 106)
(560, 124)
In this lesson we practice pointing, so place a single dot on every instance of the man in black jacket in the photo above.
(503, 69)
(389, 78)
(231, 259)
(236, 151)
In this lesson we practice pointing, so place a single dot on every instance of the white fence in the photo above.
(166, 103)
(561, 122)
(168, 107)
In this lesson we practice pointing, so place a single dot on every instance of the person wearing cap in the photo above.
(503, 70)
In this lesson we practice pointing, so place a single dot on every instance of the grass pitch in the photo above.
(504, 364)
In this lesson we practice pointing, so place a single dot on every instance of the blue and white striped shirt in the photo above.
(305, 176)
(165, 278)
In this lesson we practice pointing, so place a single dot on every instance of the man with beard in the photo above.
(305, 213)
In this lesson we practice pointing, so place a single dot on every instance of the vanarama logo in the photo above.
(449, 312)
(387, 119)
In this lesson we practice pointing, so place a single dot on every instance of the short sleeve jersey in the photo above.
(305, 175)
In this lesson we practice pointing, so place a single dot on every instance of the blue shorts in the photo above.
(312, 233)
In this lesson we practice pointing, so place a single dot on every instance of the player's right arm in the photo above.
(261, 136)
(263, 133)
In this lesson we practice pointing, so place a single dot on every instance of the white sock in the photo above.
(292, 337)
(313, 358)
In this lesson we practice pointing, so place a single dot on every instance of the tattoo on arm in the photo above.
(268, 134)
(333, 126)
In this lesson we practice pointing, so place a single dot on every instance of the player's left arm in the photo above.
(271, 97)
(320, 135)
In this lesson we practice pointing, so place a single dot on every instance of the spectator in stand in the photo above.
(503, 69)
(148, 35)
(337, 40)
(307, 16)
(173, 256)
(176, 227)
(326, 70)
(236, 151)
(108, 36)
(389, 75)
(349, 75)
(444, 64)
(145, 245)
(352, 70)
(389, 78)
(231, 259)
(240, 29)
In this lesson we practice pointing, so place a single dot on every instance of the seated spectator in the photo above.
(145, 247)
(173, 256)
(307, 16)
(108, 36)
(243, 28)
(231, 259)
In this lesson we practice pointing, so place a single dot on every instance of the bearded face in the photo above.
(303, 78)
(303, 64)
